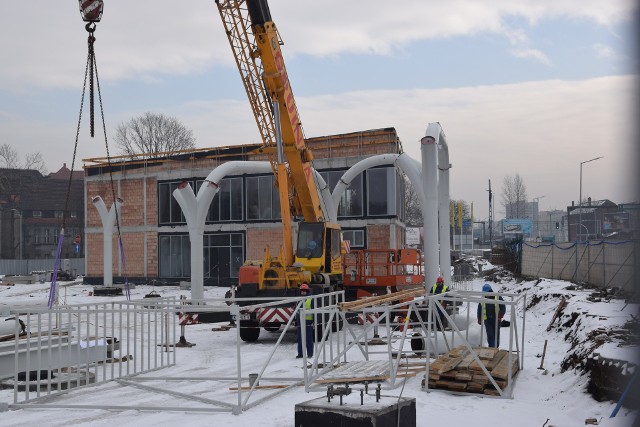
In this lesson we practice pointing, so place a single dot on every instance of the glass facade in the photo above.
(263, 200)
(223, 256)
(174, 256)
(351, 202)
(376, 192)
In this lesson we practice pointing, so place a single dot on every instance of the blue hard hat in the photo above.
(487, 288)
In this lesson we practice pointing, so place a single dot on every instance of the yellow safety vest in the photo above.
(484, 308)
(444, 288)
(308, 305)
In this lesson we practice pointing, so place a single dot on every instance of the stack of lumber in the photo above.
(458, 370)
(382, 299)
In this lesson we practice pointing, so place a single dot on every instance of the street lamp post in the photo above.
(537, 200)
(579, 228)
(20, 240)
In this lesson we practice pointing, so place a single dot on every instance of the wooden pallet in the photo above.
(458, 370)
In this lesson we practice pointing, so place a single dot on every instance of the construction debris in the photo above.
(458, 370)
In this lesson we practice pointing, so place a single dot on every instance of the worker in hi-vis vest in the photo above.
(438, 288)
(491, 315)
(307, 322)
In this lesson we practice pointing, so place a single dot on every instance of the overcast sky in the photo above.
(533, 87)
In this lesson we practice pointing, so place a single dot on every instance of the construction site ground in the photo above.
(555, 393)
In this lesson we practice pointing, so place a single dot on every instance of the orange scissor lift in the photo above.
(381, 271)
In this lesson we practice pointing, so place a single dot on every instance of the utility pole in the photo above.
(580, 200)
(490, 216)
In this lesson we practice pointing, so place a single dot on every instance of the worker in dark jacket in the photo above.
(438, 288)
(307, 323)
(491, 315)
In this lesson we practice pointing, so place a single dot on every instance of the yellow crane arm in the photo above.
(264, 75)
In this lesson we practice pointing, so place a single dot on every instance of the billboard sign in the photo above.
(413, 236)
(516, 226)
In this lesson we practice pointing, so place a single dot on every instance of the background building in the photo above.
(31, 212)
(244, 216)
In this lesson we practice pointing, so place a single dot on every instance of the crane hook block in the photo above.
(91, 10)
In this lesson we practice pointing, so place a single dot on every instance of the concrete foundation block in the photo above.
(321, 413)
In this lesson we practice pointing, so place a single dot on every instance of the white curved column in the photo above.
(108, 218)
(429, 152)
(444, 231)
(195, 212)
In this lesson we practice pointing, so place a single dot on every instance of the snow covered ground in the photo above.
(548, 396)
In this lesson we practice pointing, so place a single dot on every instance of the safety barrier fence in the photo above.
(83, 345)
(70, 351)
(398, 331)
(599, 263)
(26, 266)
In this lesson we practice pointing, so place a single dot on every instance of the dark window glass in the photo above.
(174, 256)
(381, 191)
(223, 255)
(263, 200)
(351, 200)
(168, 208)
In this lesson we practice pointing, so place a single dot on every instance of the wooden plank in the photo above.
(466, 362)
(357, 372)
(481, 379)
(263, 387)
(475, 387)
(487, 353)
(501, 370)
(491, 366)
(561, 306)
(463, 376)
(451, 385)
(449, 365)
(381, 299)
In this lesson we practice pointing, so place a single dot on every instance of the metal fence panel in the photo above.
(22, 267)
(601, 263)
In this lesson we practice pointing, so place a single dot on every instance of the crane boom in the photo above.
(256, 45)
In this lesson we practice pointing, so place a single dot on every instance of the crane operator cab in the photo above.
(319, 248)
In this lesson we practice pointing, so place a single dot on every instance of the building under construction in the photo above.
(244, 216)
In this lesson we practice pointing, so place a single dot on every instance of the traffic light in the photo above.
(557, 225)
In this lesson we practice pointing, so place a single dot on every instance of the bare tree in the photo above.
(413, 210)
(10, 159)
(514, 196)
(154, 134)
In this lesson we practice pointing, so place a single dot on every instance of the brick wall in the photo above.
(132, 186)
(259, 238)
(378, 236)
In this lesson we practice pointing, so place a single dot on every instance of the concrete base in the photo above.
(321, 413)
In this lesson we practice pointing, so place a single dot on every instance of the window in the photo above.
(174, 256)
(227, 203)
(263, 200)
(381, 191)
(351, 200)
(310, 240)
(37, 214)
(57, 214)
(223, 256)
(74, 214)
(355, 237)
(47, 235)
(168, 208)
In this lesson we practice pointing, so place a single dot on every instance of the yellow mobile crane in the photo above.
(255, 44)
